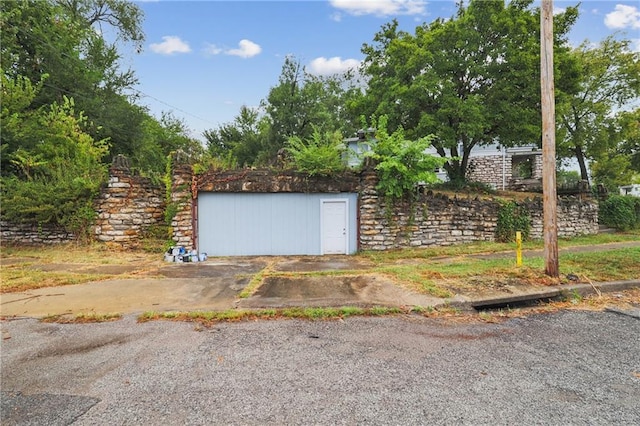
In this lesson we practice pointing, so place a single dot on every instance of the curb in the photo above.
(547, 293)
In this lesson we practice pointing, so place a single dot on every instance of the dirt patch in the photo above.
(5, 261)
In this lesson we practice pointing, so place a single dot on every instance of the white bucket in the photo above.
(203, 257)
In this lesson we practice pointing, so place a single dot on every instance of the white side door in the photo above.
(334, 226)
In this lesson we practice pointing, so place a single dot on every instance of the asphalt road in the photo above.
(564, 368)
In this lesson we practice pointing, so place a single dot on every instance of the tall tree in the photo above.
(297, 106)
(608, 79)
(239, 141)
(301, 101)
(615, 159)
(57, 42)
(471, 80)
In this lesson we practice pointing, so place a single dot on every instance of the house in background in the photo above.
(633, 189)
(506, 168)
(494, 165)
(356, 147)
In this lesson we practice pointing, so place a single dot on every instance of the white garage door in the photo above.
(277, 224)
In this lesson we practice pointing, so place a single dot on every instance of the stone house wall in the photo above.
(127, 206)
(489, 169)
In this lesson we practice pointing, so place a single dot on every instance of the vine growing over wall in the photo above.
(513, 217)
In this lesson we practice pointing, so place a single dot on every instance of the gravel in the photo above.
(566, 368)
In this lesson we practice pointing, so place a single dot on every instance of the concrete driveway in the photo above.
(215, 285)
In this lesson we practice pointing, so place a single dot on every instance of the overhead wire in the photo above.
(85, 96)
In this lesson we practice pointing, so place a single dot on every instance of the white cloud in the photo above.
(170, 45)
(380, 7)
(623, 17)
(559, 10)
(331, 66)
(247, 49)
(212, 49)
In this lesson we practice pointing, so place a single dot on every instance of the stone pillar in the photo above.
(536, 169)
(183, 198)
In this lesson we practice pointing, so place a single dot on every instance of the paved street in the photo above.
(563, 368)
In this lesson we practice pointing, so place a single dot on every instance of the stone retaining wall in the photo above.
(127, 206)
(440, 220)
(27, 233)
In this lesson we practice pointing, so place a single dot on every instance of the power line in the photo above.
(65, 54)
(171, 106)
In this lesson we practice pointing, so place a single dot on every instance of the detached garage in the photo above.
(261, 212)
(238, 224)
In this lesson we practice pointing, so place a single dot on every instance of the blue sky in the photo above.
(203, 60)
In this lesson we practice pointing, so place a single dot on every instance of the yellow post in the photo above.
(518, 248)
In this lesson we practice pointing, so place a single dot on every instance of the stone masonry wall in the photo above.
(439, 220)
(183, 194)
(127, 206)
(489, 170)
(27, 233)
(576, 216)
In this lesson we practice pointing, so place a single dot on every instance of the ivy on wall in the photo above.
(512, 217)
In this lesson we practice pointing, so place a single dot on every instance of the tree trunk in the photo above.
(584, 174)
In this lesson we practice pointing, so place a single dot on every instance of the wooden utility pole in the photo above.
(550, 226)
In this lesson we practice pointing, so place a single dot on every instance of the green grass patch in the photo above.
(612, 265)
(83, 318)
(16, 278)
(389, 256)
(308, 313)
(416, 277)
(256, 282)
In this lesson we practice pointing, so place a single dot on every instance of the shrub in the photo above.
(402, 163)
(319, 155)
(621, 212)
(513, 217)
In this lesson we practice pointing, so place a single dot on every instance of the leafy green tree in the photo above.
(56, 179)
(301, 101)
(628, 131)
(615, 156)
(57, 42)
(471, 80)
(240, 141)
(608, 78)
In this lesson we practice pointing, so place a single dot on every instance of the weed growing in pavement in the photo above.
(574, 297)
(255, 282)
(315, 313)
(82, 318)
